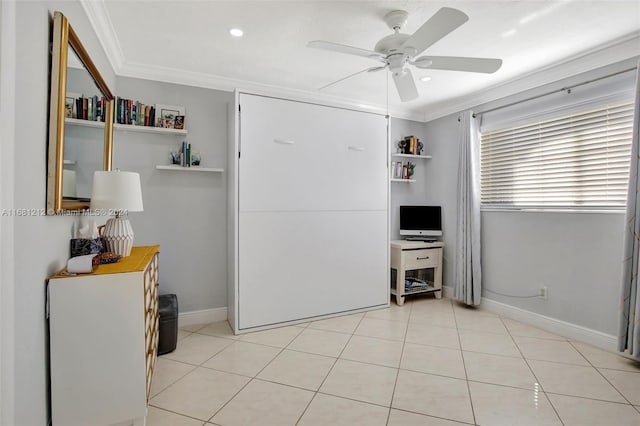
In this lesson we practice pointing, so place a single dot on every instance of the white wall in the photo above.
(41, 243)
(184, 212)
(7, 149)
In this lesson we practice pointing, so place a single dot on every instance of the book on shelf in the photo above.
(402, 170)
(137, 113)
(410, 145)
(82, 107)
(126, 111)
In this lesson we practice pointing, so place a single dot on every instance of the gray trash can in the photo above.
(168, 327)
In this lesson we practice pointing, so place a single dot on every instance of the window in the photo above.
(576, 161)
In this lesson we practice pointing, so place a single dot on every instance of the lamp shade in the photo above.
(116, 190)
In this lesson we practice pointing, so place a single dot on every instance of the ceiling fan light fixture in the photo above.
(236, 32)
(397, 51)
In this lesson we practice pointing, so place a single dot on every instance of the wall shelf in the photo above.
(428, 157)
(403, 180)
(126, 127)
(190, 169)
(83, 123)
(149, 129)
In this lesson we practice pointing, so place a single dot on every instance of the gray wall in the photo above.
(436, 179)
(442, 176)
(184, 212)
(576, 255)
(407, 193)
(41, 243)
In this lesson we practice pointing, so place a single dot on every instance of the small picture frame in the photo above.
(69, 107)
(178, 122)
(166, 115)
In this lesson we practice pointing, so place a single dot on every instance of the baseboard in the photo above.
(202, 317)
(563, 328)
(566, 329)
(553, 325)
(447, 291)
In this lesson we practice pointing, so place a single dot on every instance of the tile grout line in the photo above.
(590, 398)
(351, 335)
(602, 375)
(526, 361)
(252, 378)
(404, 342)
(464, 365)
(174, 381)
(329, 372)
(176, 413)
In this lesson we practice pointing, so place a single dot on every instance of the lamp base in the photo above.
(118, 235)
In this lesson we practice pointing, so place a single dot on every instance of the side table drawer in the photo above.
(427, 258)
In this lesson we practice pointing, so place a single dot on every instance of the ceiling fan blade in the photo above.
(352, 75)
(459, 63)
(406, 85)
(342, 48)
(439, 25)
(376, 69)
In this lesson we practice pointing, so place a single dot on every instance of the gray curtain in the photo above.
(468, 273)
(629, 332)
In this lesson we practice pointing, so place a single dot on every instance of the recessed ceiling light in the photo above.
(236, 32)
(425, 78)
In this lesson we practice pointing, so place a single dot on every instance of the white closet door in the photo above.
(297, 265)
(298, 156)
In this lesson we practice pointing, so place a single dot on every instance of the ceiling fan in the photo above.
(398, 50)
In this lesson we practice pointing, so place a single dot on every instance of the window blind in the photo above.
(574, 161)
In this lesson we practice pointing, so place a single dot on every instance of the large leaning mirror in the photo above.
(80, 122)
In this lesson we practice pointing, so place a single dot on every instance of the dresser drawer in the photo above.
(426, 258)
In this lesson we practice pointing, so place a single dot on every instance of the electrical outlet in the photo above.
(543, 293)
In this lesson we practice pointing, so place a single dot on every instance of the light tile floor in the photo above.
(430, 362)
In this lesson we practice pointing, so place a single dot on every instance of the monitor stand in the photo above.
(425, 239)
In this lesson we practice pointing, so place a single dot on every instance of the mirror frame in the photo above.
(63, 37)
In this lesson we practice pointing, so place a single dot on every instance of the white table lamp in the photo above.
(118, 193)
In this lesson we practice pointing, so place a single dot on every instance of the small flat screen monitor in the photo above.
(420, 222)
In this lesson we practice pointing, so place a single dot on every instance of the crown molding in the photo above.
(623, 48)
(615, 51)
(99, 18)
(210, 81)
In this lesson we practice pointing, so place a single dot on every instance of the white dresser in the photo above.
(103, 341)
(308, 203)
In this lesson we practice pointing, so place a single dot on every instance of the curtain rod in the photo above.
(567, 89)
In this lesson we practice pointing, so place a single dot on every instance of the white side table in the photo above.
(413, 260)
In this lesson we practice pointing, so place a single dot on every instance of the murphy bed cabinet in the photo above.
(103, 341)
(308, 203)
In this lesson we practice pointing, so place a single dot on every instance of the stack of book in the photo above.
(85, 108)
(410, 145)
(128, 111)
(184, 155)
(401, 170)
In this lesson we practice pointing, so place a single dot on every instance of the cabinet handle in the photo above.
(422, 258)
(355, 148)
(284, 141)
